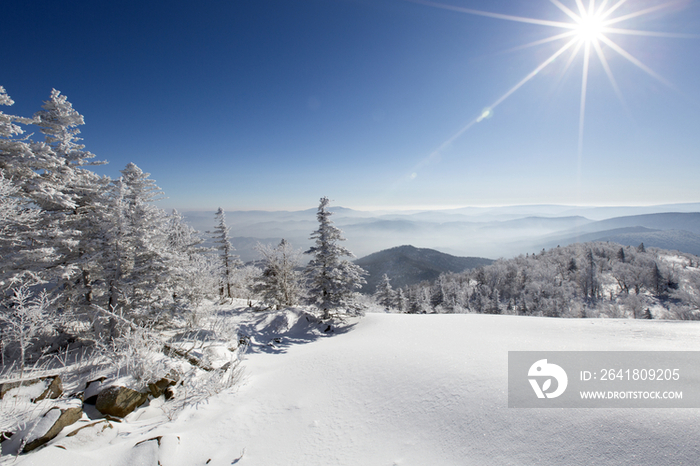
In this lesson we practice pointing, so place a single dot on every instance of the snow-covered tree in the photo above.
(228, 262)
(150, 256)
(280, 282)
(19, 258)
(333, 279)
(243, 281)
(132, 267)
(15, 150)
(51, 176)
(384, 294)
(401, 302)
(17, 219)
(190, 271)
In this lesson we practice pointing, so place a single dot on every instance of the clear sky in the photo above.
(271, 104)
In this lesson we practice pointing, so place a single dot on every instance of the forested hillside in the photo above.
(581, 280)
(408, 265)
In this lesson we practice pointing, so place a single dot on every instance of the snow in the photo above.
(393, 389)
(45, 423)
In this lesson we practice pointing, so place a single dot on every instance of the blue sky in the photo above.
(271, 104)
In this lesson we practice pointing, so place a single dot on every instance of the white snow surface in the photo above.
(402, 390)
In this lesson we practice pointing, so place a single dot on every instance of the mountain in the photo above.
(670, 230)
(470, 232)
(664, 221)
(407, 265)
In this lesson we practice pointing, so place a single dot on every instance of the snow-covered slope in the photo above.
(404, 390)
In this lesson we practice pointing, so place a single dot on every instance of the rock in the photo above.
(158, 388)
(63, 418)
(170, 393)
(53, 391)
(119, 401)
(92, 389)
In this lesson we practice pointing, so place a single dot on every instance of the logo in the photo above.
(542, 369)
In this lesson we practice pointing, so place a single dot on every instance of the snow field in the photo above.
(405, 390)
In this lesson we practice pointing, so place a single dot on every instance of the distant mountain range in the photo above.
(491, 232)
(407, 265)
(673, 231)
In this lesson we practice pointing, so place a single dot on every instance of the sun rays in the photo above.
(586, 32)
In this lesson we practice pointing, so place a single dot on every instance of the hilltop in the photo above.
(408, 265)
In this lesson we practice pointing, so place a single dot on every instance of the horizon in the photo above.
(417, 209)
(381, 104)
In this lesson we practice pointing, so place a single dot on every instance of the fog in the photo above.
(492, 232)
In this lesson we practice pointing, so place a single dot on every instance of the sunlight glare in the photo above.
(590, 28)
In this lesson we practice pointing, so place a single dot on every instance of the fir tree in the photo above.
(333, 279)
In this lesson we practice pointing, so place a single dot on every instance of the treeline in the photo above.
(89, 239)
(81, 254)
(582, 280)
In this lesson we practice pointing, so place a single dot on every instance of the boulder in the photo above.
(119, 401)
(49, 426)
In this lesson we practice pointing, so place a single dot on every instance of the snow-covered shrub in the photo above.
(27, 322)
(139, 354)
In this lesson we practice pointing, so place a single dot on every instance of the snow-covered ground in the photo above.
(399, 390)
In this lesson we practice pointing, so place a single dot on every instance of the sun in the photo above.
(586, 32)
(590, 28)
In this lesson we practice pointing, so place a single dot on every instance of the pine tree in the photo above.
(385, 295)
(333, 279)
